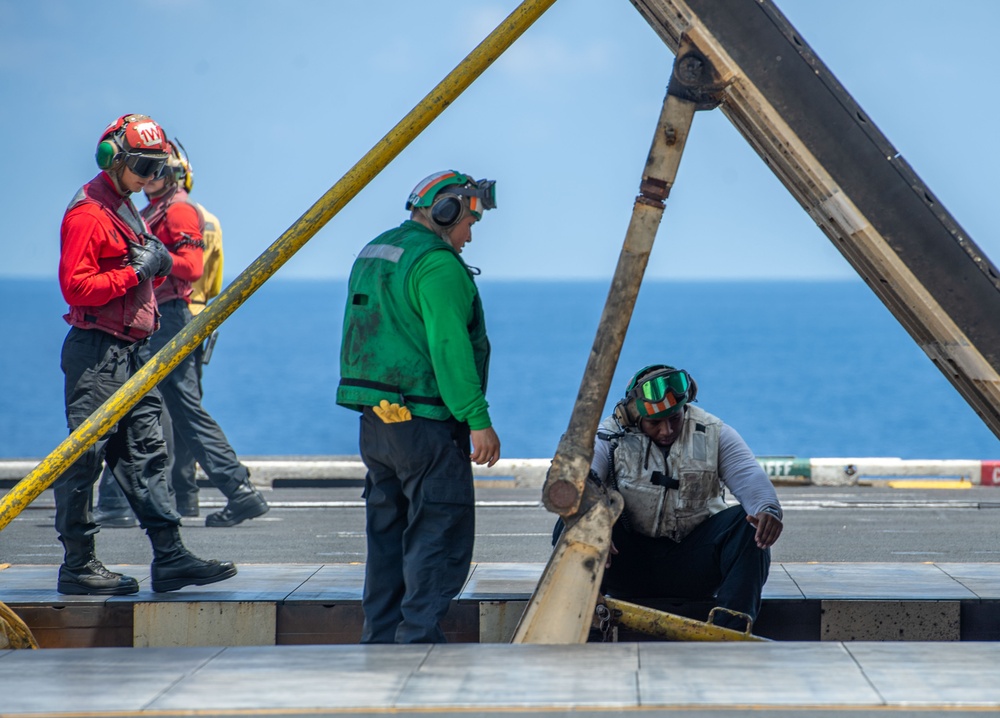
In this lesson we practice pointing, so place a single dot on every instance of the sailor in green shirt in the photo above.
(414, 361)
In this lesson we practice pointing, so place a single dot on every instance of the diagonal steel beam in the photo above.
(854, 184)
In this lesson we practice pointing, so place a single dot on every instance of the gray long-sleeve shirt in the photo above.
(739, 471)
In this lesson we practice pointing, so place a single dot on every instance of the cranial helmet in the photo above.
(655, 392)
(136, 141)
(448, 193)
(178, 168)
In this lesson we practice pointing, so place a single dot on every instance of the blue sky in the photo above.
(276, 101)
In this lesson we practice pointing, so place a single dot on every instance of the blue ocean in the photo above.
(807, 369)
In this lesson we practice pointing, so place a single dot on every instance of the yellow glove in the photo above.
(391, 413)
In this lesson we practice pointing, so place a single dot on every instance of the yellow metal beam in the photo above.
(562, 604)
(251, 279)
(14, 633)
(564, 483)
(671, 627)
(561, 607)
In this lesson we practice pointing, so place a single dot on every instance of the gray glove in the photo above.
(150, 259)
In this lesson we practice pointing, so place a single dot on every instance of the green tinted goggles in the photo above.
(662, 394)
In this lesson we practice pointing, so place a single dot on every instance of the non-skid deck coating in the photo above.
(320, 604)
(849, 678)
(814, 677)
(516, 581)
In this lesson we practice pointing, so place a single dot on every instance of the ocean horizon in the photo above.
(808, 369)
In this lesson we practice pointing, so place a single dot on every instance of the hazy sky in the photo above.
(276, 101)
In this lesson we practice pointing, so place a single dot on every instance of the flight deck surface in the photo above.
(305, 620)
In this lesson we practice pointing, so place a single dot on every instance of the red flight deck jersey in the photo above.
(177, 223)
(102, 290)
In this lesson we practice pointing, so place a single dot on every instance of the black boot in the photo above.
(245, 502)
(81, 574)
(175, 567)
(187, 506)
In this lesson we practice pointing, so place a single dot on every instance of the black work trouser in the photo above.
(420, 509)
(95, 365)
(193, 434)
(178, 488)
(183, 465)
(720, 559)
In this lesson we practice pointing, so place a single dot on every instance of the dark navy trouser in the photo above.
(95, 365)
(183, 466)
(195, 434)
(420, 508)
(719, 558)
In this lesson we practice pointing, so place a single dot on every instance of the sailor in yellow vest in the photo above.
(676, 537)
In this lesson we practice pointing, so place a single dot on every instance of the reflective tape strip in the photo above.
(381, 251)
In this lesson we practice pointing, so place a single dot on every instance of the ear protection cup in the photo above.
(621, 414)
(107, 153)
(446, 210)
(179, 156)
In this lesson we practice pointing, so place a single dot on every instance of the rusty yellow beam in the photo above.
(560, 609)
(671, 627)
(564, 483)
(251, 279)
(14, 632)
(562, 603)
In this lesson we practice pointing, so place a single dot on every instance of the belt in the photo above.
(380, 386)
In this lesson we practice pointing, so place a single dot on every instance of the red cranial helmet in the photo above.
(137, 141)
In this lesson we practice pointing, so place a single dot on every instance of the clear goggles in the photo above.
(482, 195)
(145, 165)
(662, 394)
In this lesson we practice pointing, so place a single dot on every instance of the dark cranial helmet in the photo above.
(655, 392)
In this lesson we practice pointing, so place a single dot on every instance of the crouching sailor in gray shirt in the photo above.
(676, 536)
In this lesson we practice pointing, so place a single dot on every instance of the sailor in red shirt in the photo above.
(191, 432)
(108, 266)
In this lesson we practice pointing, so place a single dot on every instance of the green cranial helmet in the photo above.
(479, 195)
(656, 392)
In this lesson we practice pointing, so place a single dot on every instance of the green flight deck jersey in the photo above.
(414, 331)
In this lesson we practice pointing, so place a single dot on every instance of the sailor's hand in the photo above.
(768, 528)
(150, 259)
(391, 413)
(611, 552)
(166, 259)
(485, 446)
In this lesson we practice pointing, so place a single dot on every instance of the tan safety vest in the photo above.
(668, 496)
